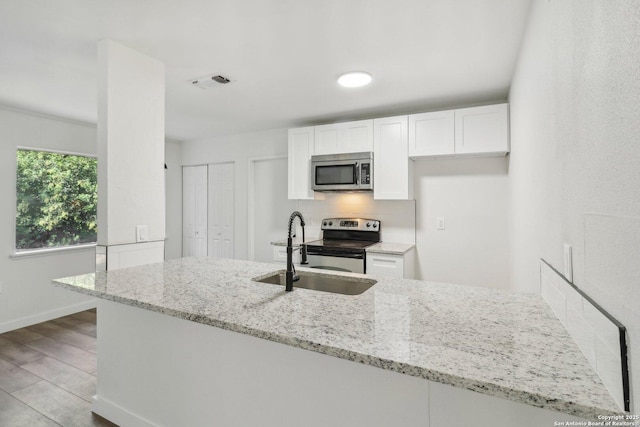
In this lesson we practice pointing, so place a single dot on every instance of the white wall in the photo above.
(238, 149)
(26, 294)
(173, 185)
(575, 161)
(270, 190)
(471, 195)
(397, 217)
(131, 143)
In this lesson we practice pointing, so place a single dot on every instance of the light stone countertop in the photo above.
(297, 241)
(390, 248)
(504, 344)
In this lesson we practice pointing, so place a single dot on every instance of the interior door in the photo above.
(194, 211)
(221, 209)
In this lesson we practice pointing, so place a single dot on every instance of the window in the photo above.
(56, 202)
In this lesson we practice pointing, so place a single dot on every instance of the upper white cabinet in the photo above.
(479, 131)
(431, 134)
(465, 131)
(299, 158)
(391, 163)
(348, 137)
(482, 130)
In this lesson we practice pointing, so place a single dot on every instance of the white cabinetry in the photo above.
(431, 134)
(466, 131)
(280, 254)
(482, 130)
(388, 265)
(299, 158)
(348, 137)
(391, 164)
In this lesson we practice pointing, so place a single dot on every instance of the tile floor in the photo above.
(48, 373)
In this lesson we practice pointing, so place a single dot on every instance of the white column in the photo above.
(131, 196)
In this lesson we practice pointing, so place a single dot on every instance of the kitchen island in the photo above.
(197, 339)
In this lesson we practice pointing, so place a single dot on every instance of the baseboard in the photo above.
(117, 414)
(47, 315)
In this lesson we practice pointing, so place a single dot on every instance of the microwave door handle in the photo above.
(355, 173)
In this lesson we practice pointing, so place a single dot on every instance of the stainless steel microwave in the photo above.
(342, 172)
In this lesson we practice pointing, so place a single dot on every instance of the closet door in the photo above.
(221, 218)
(194, 211)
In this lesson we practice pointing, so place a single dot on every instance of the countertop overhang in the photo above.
(504, 344)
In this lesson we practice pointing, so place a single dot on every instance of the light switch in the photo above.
(440, 223)
(142, 233)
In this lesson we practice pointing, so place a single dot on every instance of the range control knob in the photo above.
(368, 224)
(324, 223)
(375, 225)
(330, 222)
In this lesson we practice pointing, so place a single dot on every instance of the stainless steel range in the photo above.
(343, 244)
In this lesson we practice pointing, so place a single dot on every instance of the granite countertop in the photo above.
(297, 241)
(504, 344)
(390, 248)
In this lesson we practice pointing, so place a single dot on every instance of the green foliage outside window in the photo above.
(56, 200)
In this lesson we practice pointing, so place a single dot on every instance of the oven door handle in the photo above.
(338, 255)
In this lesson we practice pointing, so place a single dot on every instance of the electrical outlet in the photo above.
(142, 233)
(568, 262)
(440, 223)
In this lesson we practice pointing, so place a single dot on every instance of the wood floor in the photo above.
(48, 373)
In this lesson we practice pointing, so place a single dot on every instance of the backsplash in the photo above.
(598, 336)
(398, 217)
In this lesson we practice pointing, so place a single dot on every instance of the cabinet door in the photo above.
(391, 163)
(482, 130)
(280, 255)
(431, 134)
(348, 137)
(357, 137)
(326, 139)
(299, 163)
(194, 211)
(221, 212)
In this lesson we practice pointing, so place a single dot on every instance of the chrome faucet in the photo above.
(291, 275)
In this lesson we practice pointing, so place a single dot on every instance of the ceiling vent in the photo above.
(207, 82)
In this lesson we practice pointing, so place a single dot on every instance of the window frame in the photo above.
(25, 253)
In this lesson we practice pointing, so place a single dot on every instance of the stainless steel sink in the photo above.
(322, 282)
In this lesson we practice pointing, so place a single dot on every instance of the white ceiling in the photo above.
(283, 57)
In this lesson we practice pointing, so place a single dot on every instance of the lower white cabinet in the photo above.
(391, 265)
(280, 254)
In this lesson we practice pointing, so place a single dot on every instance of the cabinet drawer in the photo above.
(280, 254)
(385, 265)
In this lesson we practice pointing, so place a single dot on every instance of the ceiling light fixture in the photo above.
(354, 79)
